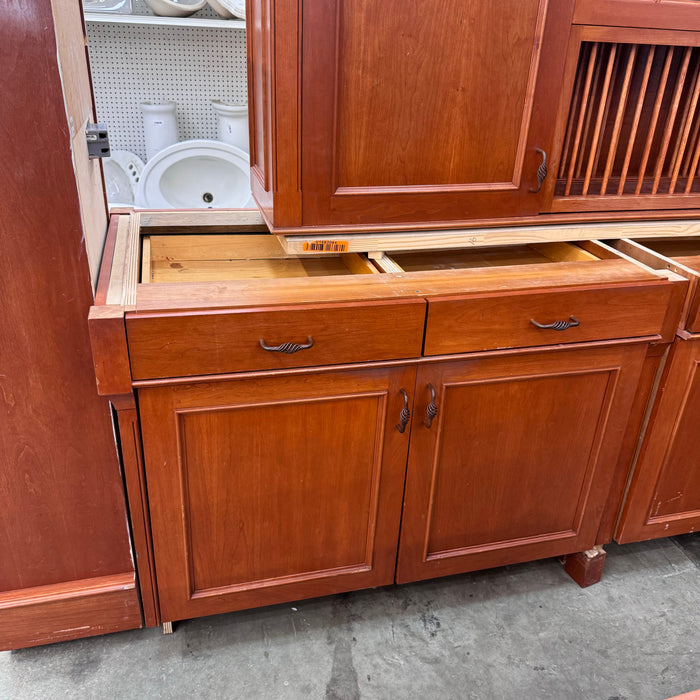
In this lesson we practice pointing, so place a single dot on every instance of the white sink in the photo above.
(196, 175)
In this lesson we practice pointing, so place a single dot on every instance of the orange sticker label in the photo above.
(325, 246)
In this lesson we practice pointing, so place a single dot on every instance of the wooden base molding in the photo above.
(586, 568)
(70, 610)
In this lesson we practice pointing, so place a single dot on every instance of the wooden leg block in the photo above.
(167, 628)
(586, 568)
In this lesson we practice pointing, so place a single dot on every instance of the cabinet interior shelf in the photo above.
(201, 22)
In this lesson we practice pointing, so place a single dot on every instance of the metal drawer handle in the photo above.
(288, 348)
(541, 171)
(405, 415)
(557, 325)
(432, 410)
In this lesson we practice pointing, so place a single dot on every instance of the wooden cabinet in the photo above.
(406, 116)
(282, 418)
(664, 491)
(396, 111)
(517, 464)
(274, 488)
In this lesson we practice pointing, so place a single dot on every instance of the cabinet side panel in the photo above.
(664, 494)
(63, 515)
(678, 489)
(258, 36)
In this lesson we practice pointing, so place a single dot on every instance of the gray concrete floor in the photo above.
(520, 632)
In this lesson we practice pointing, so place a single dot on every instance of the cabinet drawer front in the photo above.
(216, 343)
(468, 324)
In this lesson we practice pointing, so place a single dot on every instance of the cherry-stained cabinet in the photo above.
(405, 112)
(401, 115)
(517, 462)
(274, 488)
(311, 423)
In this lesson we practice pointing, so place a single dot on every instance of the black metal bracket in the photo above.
(97, 139)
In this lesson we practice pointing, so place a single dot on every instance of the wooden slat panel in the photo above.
(576, 149)
(633, 128)
(590, 108)
(680, 84)
(622, 104)
(655, 117)
(595, 143)
(573, 111)
(688, 119)
(609, 99)
(637, 117)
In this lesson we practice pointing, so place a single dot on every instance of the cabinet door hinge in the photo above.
(97, 141)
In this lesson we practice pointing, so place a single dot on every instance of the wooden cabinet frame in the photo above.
(123, 301)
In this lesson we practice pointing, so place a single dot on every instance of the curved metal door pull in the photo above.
(287, 348)
(405, 415)
(432, 410)
(557, 325)
(541, 171)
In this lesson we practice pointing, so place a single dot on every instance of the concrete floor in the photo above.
(524, 632)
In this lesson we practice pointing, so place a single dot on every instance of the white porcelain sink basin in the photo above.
(196, 175)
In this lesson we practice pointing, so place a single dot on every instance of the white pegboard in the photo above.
(131, 64)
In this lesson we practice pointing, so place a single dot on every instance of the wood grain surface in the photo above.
(212, 343)
(427, 138)
(274, 489)
(518, 463)
(664, 495)
(63, 516)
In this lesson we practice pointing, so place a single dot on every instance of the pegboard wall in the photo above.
(131, 64)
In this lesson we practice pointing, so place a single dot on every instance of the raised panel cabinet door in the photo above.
(518, 459)
(664, 495)
(416, 111)
(275, 488)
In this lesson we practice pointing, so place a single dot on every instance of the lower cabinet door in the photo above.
(664, 495)
(518, 460)
(275, 488)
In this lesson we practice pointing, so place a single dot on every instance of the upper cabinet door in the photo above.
(415, 112)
